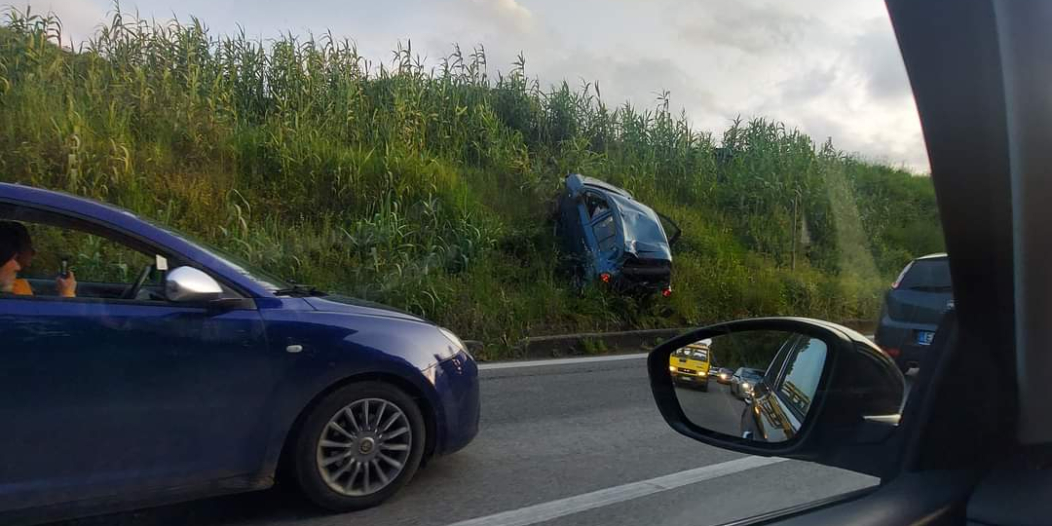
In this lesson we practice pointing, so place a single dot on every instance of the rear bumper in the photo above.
(654, 275)
(893, 334)
(457, 385)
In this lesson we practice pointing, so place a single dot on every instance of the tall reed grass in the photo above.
(430, 187)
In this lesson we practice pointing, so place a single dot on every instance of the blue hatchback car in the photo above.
(176, 372)
(614, 238)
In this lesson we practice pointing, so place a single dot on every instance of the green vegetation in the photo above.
(753, 349)
(431, 189)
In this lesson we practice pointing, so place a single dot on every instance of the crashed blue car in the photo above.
(612, 238)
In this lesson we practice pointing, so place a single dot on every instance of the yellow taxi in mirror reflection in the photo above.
(690, 364)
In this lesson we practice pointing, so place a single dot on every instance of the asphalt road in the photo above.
(716, 409)
(578, 443)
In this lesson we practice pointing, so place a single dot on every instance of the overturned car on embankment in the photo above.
(612, 238)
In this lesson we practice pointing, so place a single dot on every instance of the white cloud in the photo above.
(79, 18)
(877, 56)
(754, 29)
(509, 14)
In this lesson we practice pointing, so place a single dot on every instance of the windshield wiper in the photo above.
(299, 291)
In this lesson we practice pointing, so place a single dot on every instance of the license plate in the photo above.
(925, 337)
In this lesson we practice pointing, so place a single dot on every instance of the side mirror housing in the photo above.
(825, 390)
(189, 285)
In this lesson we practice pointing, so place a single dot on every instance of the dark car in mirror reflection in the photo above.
(743, 380)
(722, 375)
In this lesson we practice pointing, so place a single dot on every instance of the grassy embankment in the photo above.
(430, 188)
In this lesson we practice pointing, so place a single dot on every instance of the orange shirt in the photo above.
(22, 288)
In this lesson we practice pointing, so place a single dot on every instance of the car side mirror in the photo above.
(822, 385)
(187, 284)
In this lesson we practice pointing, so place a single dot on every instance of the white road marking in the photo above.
(560, 361)
(559, 508)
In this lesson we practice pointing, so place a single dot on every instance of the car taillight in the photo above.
(605, 277)
(892, 352)
(898, 280)
(666, 292)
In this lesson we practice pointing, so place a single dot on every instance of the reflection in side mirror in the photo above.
(187, 284)
(764, 391)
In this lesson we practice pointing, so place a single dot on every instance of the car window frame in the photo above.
(802, 342)
(588, 223)
(778, 362)
(113, 233)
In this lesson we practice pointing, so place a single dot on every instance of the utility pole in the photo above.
(796, 225)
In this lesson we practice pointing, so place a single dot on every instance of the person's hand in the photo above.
(67, 287)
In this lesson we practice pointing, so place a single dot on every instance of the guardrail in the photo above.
(603, 343)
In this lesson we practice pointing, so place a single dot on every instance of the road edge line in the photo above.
(555, 509)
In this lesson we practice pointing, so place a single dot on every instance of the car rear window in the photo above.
(927, 274)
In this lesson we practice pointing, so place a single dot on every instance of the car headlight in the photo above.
(672, 368)
(746, 385)
(458, 344)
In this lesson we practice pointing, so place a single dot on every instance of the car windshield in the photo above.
(231, 260)
(512, 203)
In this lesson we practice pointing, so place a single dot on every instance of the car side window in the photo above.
(606, 234)
(99, 266)
(775, 368)
(596, 204)
(102, 264)
(803, 370)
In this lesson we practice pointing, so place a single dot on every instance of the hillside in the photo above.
(431, 188)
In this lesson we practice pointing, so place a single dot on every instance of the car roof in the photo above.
(54, 199)
(577, 181)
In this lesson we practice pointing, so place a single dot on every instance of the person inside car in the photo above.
(65, 286)
(9, 266)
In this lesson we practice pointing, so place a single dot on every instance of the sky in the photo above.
(828, 68)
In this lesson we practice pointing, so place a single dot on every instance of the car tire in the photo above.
(336, 474)
(705, 386)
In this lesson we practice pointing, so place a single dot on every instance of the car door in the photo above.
(106, 396)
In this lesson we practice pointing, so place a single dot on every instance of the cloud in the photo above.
(877, 55)
(638, 81)
(510, 14)
(755, 30)
(80, 18)
(808, 85)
